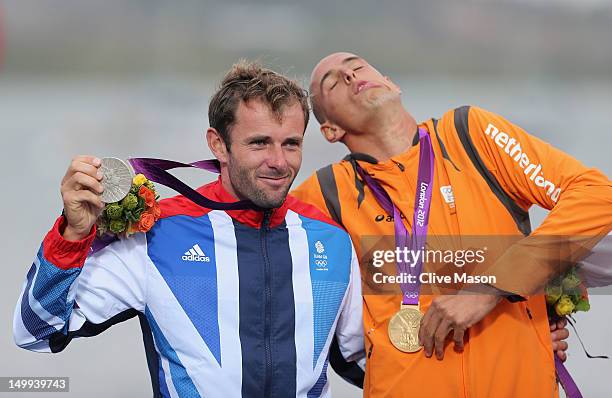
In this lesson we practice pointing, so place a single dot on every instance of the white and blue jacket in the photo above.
(232, 303)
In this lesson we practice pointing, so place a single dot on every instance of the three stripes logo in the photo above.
(196, 254)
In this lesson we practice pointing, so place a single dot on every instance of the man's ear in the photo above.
(395, 86)
(217, 145)
(332, 132)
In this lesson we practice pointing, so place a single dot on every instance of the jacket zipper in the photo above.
(265, 227)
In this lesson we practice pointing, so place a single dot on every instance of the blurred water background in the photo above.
(133, 79)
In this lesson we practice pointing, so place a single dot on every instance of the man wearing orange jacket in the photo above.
(487, 173)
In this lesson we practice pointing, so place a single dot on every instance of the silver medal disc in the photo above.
(116, 180)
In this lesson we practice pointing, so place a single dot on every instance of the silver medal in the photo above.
(116, 180)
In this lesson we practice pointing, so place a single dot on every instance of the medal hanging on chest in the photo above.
(404, 326)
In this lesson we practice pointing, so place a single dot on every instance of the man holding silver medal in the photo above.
(234, 298)
(489, 172)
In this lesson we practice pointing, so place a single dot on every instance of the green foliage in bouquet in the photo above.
(566, 294)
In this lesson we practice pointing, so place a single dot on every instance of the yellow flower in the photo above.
(565, 306)
(139, 179)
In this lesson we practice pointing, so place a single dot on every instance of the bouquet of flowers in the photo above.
(137, 212)
(566, 294)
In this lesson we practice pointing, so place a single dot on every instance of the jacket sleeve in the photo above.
(533, 172)
(69, 292)
(347, 352)
(595, 270)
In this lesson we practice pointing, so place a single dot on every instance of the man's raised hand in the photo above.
(81, 189)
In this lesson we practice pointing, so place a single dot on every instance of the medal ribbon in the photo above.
(415, 241)
(566, 380)
(156, 171)
(563, 375)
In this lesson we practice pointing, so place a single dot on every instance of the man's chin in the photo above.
(271, 200)
(269, 203)
(381, 98)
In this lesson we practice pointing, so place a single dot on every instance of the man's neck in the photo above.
(387, 136)
(226, 182)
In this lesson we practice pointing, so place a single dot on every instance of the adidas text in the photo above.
(191, 257)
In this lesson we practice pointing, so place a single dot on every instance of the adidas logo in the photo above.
(195, 254)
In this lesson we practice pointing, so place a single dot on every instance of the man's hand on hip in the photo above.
(452, 313)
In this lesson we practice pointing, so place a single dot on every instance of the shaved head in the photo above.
(317, 77)
(348, 92)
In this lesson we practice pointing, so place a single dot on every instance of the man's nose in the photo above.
(348, 75)
(276, 157)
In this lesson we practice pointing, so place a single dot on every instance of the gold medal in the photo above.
(404, 328)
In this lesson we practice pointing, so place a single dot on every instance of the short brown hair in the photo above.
(247, 81)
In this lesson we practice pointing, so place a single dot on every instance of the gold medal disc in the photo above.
(404, 328)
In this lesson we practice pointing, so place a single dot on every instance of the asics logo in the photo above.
(195, 254)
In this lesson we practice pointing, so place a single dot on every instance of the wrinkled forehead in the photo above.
(326, 64)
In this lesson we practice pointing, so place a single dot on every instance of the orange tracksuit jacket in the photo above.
(508, 353)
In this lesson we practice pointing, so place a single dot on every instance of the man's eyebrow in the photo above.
(295, 139)
(258, 137)
(326, 75)
(349, 59)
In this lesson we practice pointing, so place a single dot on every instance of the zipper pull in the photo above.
(265, 223)
(400, 166)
